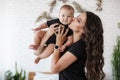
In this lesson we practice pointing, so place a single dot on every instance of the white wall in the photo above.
(17, 18)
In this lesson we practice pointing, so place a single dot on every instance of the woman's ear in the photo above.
(82, 31)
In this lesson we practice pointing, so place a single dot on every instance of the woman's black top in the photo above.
(75, 71)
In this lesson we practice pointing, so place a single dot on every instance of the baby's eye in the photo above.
(63, 15)
(69, 16)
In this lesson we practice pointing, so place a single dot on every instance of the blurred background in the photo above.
(18, 17)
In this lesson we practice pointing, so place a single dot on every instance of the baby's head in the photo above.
(66, 14)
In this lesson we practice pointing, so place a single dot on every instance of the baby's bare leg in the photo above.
(37, 39)
(44, 39)
(46, 53)
(42, 44)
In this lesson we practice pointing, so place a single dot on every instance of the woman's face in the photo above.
(78, 22)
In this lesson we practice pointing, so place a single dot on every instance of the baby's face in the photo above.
(66, 16)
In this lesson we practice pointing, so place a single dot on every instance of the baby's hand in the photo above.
(36, 29)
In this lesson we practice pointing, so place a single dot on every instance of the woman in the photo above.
(86, 52)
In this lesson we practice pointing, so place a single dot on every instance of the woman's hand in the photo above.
(60, 35)
(51, 29)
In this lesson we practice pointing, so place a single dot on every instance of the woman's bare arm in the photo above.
(60, 63)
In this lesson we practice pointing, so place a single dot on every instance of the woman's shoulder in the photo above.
(78, 48)
(79, 43)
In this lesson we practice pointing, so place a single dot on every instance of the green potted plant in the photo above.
(17, 76)
(116, 59)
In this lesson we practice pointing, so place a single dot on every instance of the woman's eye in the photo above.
(78, 20)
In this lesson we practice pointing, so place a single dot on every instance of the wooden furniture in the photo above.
(31, 75)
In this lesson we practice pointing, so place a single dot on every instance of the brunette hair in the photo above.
(93, 37)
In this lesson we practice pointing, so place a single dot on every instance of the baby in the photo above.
(44, 43)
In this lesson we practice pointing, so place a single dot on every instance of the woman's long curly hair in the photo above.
(93, 37)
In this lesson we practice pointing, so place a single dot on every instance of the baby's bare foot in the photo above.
(34, 47)
(37, 60)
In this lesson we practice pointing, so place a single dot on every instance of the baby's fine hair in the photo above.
(69, 7)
